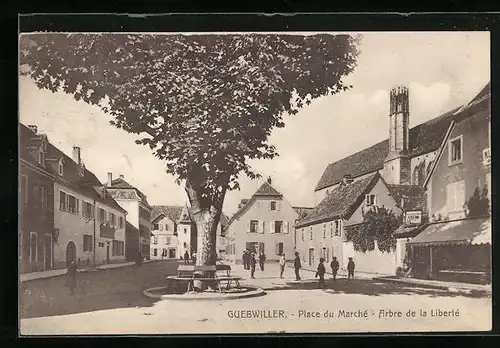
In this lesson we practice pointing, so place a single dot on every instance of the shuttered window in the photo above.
(455, 196)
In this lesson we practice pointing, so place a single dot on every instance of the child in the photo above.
(335, 267)
(72, 271)
(321, 273)
(350, 269)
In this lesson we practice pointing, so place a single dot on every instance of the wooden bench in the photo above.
(190, 273)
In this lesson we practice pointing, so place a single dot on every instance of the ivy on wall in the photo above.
(478, 204)
(378, 225)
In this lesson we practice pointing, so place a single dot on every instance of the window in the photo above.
(112, 219)
(331, 229)
(155, 227)
(155, 252)
(88, 210)
(370, 200)
(73, 204)
(455, 150)
(166, 227)
(33, 247)
(120, 222)
(325, 253)
(118, 247)
(279, 248)
(41, 158)
(155, 239)
(43, 197)
(278, 227)
(60, 168)
(160, 227)
(273, 205)
(254, 226)
(311, 257)
(310, 233)
(324, 230)
(185, 231)
(303, 233)
(24, 187)
(101, 244)
(87, 243)
(62, 200)
(337, 228)
(102, 215)
(455, 196)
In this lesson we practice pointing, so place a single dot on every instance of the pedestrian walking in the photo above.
(262, 260)
(252, 262)
(246, 257)
(186, 257)
(282, 264)
(297, 265)
(193, 257)
(350, 269)
(334, 265)
(72, 271)
(320, 272)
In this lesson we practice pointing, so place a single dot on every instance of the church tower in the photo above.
(397, 165)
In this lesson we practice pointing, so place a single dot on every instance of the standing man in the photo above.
(321, 273)
(193, 257)
(335, 267)
(245, 259)
(282, 264)
(297, 265)
(350, 269)
(186, 257)
(252, 262)
(72, 270)
(262, 259)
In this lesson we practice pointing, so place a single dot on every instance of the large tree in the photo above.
(205, 104)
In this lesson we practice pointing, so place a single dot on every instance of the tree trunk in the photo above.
(206, 214)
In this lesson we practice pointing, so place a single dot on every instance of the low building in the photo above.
(174, 231)
(138, 210)
(456, 245)
(263, 223)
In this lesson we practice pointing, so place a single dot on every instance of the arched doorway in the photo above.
(70, 252)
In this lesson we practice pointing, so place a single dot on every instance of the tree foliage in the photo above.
(478, 204)
(378, 225)
(207, 102)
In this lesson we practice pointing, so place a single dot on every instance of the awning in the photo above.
(408, 231)
(466, 231)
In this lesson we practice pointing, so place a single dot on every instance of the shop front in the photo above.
(458, 251)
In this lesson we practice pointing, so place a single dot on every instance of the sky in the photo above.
(443, 70)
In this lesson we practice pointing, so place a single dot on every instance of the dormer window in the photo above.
(60, 167)
(41, 158)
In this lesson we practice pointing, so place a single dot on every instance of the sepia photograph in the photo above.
(254, 182)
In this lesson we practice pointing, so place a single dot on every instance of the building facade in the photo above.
(174, 232)
(138, 214)
(88, 225)
(263, 223)
(456, 244)
(36, 203)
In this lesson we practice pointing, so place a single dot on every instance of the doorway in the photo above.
(171, 253)
(70, 252)
(311, 257)
(107, 253)
(47, 247)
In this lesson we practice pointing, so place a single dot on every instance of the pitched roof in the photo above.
(121, 184)
(302, 211)
(267, 190)
(342, 201)
(87, 184)
(173, 212)
(28, 141)
(413, 196)
(424, 138)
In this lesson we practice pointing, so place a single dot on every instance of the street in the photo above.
(112, 302)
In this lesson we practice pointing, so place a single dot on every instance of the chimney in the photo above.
(121, 176)
(110, 179)
(76, 155)
(347, 179)
(33, 127)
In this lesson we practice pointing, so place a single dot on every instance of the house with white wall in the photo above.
(90, 224)
(265, 223)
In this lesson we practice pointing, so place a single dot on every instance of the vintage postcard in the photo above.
(236, 183)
